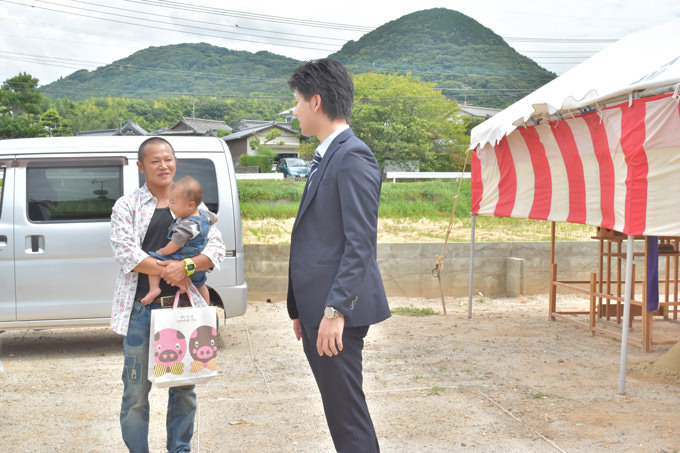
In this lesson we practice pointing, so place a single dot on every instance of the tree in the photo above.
(54, 125)
(19, 95)
(272, 135)
(212, 109)
(20, 127)
(20, 102)
(404, 120)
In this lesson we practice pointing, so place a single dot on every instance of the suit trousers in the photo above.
(340, 381)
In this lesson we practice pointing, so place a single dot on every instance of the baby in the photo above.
(188, 234)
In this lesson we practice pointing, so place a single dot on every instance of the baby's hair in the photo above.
(191, 189)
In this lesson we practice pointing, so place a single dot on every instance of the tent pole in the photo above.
(626, 315)
(472, 264)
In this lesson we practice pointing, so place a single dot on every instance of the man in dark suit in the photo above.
(335, 291)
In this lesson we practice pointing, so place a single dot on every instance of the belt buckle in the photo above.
(167, 301)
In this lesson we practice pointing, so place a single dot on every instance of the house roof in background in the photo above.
(195, 126)
(246, 128)
(130, 128)
(479, 112)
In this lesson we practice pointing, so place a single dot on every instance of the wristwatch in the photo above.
(332, 313)
(189, 266)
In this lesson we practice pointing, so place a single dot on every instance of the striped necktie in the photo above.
(315, 164)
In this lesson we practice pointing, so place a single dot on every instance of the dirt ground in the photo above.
(506, 380)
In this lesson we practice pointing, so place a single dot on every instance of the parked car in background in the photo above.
(293, 167)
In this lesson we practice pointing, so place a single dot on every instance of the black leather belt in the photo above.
(168, 301)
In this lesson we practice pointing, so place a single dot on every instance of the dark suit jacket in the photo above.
(334, 239)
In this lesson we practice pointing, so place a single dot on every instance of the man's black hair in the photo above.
(330, 80)
(152, 141)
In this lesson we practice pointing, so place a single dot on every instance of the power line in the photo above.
(560, 40)
(154, 17)
(285, 39)
(250, 16)
(170, 29)
(157, 21)
(254, 16)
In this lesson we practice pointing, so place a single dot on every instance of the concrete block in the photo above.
(514, 277)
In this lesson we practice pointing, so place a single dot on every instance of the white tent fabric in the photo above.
(646, 60)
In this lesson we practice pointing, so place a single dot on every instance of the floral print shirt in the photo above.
(130, 219)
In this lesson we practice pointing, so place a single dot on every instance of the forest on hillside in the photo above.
(466, 61)
(402, 119)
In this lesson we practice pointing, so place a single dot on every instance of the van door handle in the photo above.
(3, 241)
(35, 243)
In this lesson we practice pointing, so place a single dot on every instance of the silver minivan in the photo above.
(56, 195)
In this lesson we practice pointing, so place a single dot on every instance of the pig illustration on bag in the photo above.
(203, 348)
(170, 347)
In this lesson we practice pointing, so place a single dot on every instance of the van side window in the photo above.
(72, 193)
(202, 170)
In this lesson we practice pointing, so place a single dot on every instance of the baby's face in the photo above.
(179, 205)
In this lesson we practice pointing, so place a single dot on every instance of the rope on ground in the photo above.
(439, 264)
(252, 359)
(553, 444)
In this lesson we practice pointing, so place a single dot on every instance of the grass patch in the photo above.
(436, 390)
(413, 311)
(413, 200)
(538, 395)
(413, 211)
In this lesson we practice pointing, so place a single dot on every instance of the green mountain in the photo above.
(182, 69)
(452, 50)
(469, 62)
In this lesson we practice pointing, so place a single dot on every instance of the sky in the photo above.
(54, 38)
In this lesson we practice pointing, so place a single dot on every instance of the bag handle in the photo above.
(176, 303)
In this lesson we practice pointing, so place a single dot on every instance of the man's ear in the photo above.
(140, 166)
(316, 102)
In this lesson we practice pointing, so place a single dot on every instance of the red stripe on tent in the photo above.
(575, 178)
(540, 209)
(476, 186)
(598, 134)
(632, 142)
(507, 186)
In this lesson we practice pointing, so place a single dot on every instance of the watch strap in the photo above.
(189, 266)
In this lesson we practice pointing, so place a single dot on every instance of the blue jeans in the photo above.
(134, 410)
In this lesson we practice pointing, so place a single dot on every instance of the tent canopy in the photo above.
(646, 60)
(599, 145)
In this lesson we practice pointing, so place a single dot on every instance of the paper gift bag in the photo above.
(183, 345)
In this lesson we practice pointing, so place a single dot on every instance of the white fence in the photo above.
(276, 175)
(394, 175)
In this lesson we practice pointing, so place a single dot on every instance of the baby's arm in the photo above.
(169, 249)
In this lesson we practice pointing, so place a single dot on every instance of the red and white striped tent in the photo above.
(599, 145)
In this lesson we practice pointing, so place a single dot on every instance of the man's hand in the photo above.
(174, 274)
(297, 329)
(329, 340)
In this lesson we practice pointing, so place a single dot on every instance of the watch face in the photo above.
(329, 312)
(191, 267)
